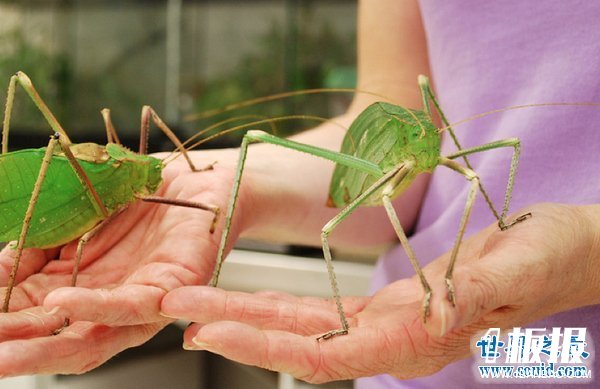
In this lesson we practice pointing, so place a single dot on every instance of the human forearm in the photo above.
(283, 192)
(288, 190)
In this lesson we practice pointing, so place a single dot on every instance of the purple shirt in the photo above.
(492, 54)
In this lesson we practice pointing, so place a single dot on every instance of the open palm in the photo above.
(146, 251)
(499, 279)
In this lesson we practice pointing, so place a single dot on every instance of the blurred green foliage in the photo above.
(280, 64)
(51, 73)
(293, 54)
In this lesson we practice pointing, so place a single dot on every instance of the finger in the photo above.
(301, 356)
(33, 290)
(125, 305)
(207, 304)
(29, 323)
(486, 291)
(31, 262)
(77, 349)
(352, 304)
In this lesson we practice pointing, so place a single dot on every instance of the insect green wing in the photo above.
(386, 135)
(64, 211)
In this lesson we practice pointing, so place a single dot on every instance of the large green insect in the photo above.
(55, 194)
(385, 148)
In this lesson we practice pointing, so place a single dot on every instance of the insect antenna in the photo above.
(226, 121)
(175, 153)
(448, 127)
(277, 96)
(264, 99)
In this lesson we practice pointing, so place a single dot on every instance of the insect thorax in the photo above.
(414, 137)
(146, 171)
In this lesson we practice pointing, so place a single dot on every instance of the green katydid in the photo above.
(79, 188)
(385, 148)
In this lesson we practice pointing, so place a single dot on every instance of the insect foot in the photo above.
(210, 166)
(331, 334)
(61, 328)
(504, 227)
(451, 291)
(426, 306)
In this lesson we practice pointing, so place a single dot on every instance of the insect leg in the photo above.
(27, 219)
(111, 133)
(471, 176)
(85, 238)
(230, 209)
(516, 145)
(347, 160)
(10, 97)
(27, 85)
(328, 228)
(261, 136)
(189, 204)
(387, 203)
(147, 113)
(426, 89)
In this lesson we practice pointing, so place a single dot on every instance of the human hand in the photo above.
(126, 270)
(539, 267)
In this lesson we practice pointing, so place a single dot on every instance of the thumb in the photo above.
(482, 288)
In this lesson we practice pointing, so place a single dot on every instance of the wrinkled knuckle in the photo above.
(484, 295)
(87, 367)
(316, 375)
(314, 379)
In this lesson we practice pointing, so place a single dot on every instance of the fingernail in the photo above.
(444, 320)
(448, 318)
(52, 311)
(195, 345)
(199, 345)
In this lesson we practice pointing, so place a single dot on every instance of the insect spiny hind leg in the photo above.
(23, 80)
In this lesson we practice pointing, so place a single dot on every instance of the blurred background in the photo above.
(182, 57)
